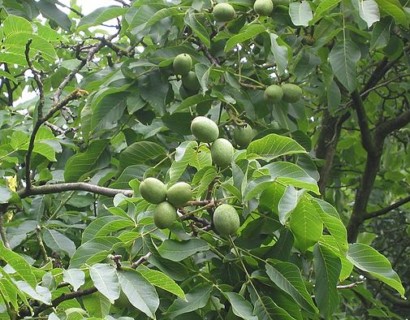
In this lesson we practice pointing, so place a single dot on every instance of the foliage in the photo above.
(323, 179)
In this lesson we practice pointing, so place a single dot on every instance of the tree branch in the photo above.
(73, 186)
(57, 301)
(367, 137)
(387, 127)
(387, 209)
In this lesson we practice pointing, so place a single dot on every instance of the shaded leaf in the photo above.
(196, 299)
(93, 251)
(266, 309)
(179, 250)
(343, 59)
(141, 152)
(247, 32)
(99, 16)
(240, 307)
(288, 278)
(82, 163)
(58, 242)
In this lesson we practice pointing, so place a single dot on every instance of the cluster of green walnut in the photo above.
(225, 218)
(224, 12)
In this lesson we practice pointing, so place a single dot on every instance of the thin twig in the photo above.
(141, 260)
(41, 245)
(350, 285)
(387, 209)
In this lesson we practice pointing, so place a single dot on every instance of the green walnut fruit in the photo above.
(273, 93)
(153, 190)
(179, 194)
(291, 92)
(204, 129)
(243, 135)
(182, 64)
(226, 220)
(190, 81)
(164, 215)
(223, 12)
(263, 7)
(222, 152)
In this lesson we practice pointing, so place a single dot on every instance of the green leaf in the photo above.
(266, 309)
(331, 243)
(50, 11)
(19, 264)
(196, 299)
(368, 259)
(16, 43)
(58, 242)
(93, 251)
(5, 194)
(305, 224)
(99, 16)
(280, 53)
(333, 224)
(249, 31)
(15, 24)
(154, 88)
(184, 154)
(161, 280)
(38, 293)
(394, 9)
(240, 307)
(288, 203)
(75, 277)
(288, 173)
(105, 279)
(140, 292)
(288, 278)
(300, 13)
(323, 7)
(343, 58)
(198, 28)
(162, 14)
(141, 152)
(82, 163)
(106, 225)
(369, 11)
(380, 35)
(327, 271)
(273, 146)
(179, 250)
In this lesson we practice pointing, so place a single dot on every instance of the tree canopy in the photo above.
(198, 159)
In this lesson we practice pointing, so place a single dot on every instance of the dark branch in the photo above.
(367, 137)
(74, 186)
(57, 301)
(391, 125)
(387, 209)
